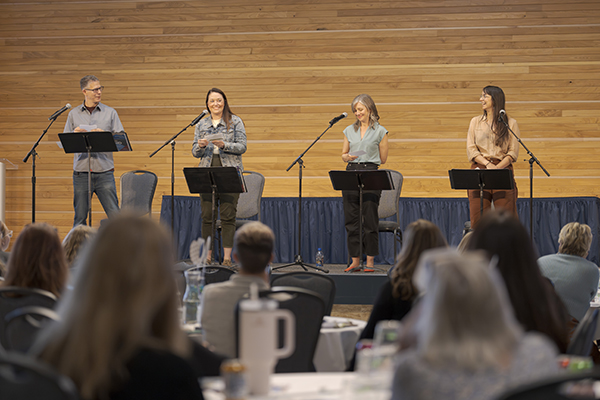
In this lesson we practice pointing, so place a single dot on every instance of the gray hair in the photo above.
(87, 79)
(575, 239)
(466, 318)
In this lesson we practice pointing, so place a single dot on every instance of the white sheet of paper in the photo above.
(357, 153)
(88, 127)
(214, 136)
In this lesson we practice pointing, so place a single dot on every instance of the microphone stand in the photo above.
(298, 258)
(34, 153)
(172, 141)
(532, 159)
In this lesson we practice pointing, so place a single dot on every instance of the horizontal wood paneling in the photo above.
(288, 67)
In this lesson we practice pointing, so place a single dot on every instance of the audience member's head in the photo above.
(536, 305)
(575, 239)
(253, 245)
(124, 299)
(75, 240)
(5, 235)
(464, 242)
(465, 318)
(37, 260)
(419, 236)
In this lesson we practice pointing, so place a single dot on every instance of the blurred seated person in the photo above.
(535, 303)
(468, 345)
(575, 279)
(5, 235)
(396, 295)
(37, 260)
(464, 242)
(119, 336)
(253, 251)
(75, 240)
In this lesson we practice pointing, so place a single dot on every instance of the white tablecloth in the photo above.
(304, 386)
(335, 347)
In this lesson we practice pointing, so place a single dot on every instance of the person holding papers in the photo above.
(365, 148)
(93, 116)
(220, 141)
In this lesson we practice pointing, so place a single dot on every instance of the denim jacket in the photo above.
(234, 138)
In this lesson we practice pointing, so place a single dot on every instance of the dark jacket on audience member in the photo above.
(155, 374)
(386, 307)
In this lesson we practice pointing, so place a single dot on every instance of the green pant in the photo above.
(226, 206)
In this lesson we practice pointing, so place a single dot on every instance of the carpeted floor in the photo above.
(354, 311)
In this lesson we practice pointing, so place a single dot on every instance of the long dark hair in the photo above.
(537, 307)
(226, 110)
(498, 102)
(420, 235)
(37, 260)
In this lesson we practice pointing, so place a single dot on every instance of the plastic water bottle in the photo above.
(192, 299)
(319, 258)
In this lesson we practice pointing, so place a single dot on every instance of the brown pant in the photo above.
(506, 199)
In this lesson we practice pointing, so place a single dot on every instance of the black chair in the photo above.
(12, 298)
(23, 378)
(583, 338)
(554, 388)
(23, 325)
(308, 309)
(248, 204)
(322, 284)
(137, 191)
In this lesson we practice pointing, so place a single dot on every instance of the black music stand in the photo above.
(91, 142)
(214, 180)
(360, 180)
(488, 179)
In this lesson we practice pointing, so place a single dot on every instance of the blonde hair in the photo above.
(254, 246)
(75, 239)
(3, 229)
(3, 239)
(466, 319)
(575, 239)
(124, 299)
(369, 104)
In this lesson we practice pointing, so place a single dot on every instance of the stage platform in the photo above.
(323, 223)
(351, 287)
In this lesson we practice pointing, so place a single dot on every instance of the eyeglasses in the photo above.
(9, 234)
(96, 90)
(218, 101)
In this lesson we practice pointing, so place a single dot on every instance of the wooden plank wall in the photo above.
(288, 67)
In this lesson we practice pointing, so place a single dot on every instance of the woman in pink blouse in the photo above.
(490, 145)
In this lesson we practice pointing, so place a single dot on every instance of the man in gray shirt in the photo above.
(253, 245)
(575, 279)
(93, 116)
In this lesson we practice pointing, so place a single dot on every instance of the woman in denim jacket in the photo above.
(220, 152)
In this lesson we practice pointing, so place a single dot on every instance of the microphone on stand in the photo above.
(502, 116)
(199, 117)
(338, 118)
(62, 110)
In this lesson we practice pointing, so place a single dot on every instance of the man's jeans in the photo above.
(103, 184)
